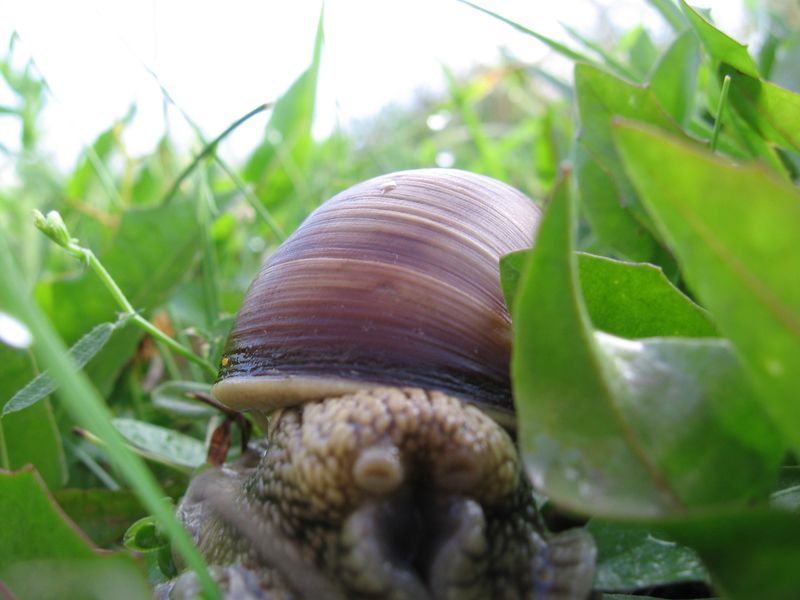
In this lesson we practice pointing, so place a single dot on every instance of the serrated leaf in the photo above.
(42, 386)
(674, 80)
(598, 415)
(162, 444)
(719, 45)
(633, 557)
(734, 231)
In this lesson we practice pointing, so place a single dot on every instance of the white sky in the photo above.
(220, 59)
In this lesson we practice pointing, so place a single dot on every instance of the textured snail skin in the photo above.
(386, 493)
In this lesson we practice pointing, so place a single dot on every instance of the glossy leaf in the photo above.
(719, 45)
(609, 426)
(734, 231)
(632, 557)
(41, 386)
(175, 397)
(749, 553)
(636, 300)
(674, 80)
(161, 444)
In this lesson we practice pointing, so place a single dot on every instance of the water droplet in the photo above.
(13, 332)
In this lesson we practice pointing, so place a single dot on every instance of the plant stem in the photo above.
(95, 264)
(5, 463)
(88, 409)
(723, 97)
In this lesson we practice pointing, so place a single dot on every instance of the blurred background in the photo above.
(218, 61)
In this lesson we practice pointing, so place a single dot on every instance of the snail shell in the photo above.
(394, 281)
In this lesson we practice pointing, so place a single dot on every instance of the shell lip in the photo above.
(270, 392)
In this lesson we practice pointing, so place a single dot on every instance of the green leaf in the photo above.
(31, 435)
(636, 300)
(633, 557)
(115, 576)
(162, 444)
(749, 553)
(613, 223)
(173, 397)
(273, 166)
(598, 415)
(671, 13)
(602, 97)
(720, 46)
(734, 231)
(42, 386)
(771, 110)
(103, 515)
(674, 80)
(631, 300)
(144, 538)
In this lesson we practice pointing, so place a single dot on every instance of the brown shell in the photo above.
(394, 281)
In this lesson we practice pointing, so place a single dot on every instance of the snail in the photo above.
(377, 339)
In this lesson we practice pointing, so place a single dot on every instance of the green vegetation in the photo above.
(656, 321)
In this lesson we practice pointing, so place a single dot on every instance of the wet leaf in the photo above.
(632, 557)
(734, 231)
(608, 426)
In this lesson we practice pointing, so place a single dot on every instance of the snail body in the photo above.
(378, 338)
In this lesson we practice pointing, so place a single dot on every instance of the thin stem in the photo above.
(209, 148)
(723, 97)
(128, 309)
(5, 462)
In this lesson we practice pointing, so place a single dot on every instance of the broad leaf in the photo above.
(734, 231)
(614, 223)
(636, 300)
(632, 300)
(103, 515)
(674, 79)
(609, 426)
(603, 97)
(749, 553)
(43, 554)
(31, 435)
(633, 557)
